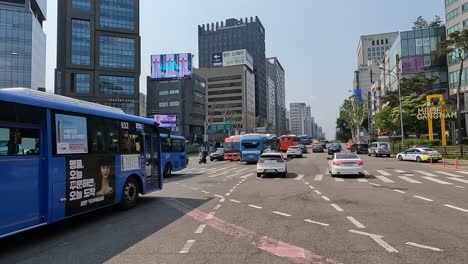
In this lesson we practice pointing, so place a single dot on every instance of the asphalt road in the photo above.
(400, 212)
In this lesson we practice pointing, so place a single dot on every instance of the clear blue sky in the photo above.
(315, 40)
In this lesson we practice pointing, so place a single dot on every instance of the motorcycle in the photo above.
(202, 158)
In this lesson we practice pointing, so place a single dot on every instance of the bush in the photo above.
(192, 149)
(411, 142)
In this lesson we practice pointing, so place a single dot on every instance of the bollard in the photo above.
(456, 163)
(430, 161)
(443, 162)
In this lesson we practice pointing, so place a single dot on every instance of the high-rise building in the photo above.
(299, 118)
(143, 104)
(98, 52)
(275, 72)
(234, 34)
(184, 98)
(271, 106)
(22, 43)
(288, 123)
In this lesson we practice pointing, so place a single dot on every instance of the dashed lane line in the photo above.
(378, 239)
(318, 177)
(408, 179)
(384, 179)
(339, 179)
(355, 222)
(425, 173)
(203, 191)
(234, 201)
(217, 207)
(200, 229)
(384, 173)
(311, 187)
(318, 192)
(339, 209)
(456, 208)
(299, 177)
(423, 246)
(255, 206)
(399, 191)
(326, 198)
(437, 180)
(219, 196)
(423, 198)
(315, 222)
(280, 213)
(187, 246)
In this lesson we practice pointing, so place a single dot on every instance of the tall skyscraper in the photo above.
(299, 118)
(275, 72)
(236, 34)
(98, 52)
(22, 43)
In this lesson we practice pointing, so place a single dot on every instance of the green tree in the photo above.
(418, 84)
(385, 120)
(456, 46)
(437, 22)
(343, 132)
(420, 23)
(410, 110)
(353, 115)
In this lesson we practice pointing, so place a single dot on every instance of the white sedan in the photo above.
(345, 164)
(294, 151)
(272, 163)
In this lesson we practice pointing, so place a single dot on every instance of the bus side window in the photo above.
(19, 141)
(166, 145)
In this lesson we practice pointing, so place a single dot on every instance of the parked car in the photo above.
(379, 149)
(318, 149)
(272, 163)
(294, 151)
(419, 155)
(345, 164)
(217, 155)
(333, 149)
(303, 148)
(360, 148)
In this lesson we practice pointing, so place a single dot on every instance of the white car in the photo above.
(345, 164)
(294, 151)
(419, 155)
(272, 163)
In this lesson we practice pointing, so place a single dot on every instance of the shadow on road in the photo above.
(93, 237)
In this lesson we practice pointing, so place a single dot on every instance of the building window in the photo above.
(81, 5)
(465, 8)
(163, 104)
(81, 41)
(378, 42)
(450, 2)
(457, 27)
(128, 108)
(452, 14)
(116, 85)
(117, 14)
(173, 91)
(80, 83)
(116, 52)
(386, 41)
(174, 103)
(373, 43)
(164, 92)
(198, 94)
(465, 24)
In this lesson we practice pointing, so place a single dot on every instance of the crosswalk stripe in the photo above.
(448, 174)
(408, 179)
(437, 180)
(425, 173)
(362, 180)
(463, 172)
(400, 171)
(384, 173)
(318, 177)
(384, 179)
(339, 179)
(299, 177)
(458, 179)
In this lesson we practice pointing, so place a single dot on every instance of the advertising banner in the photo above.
(166, 120)
(71, 134)
(413, 64)
(237, 57)
(90, 183)
(171, 66)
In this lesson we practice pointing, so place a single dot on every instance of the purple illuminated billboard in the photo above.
(413, 64)
(166, 120)
(169, 66)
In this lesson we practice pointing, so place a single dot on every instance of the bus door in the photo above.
(22, 174)
(152, 162)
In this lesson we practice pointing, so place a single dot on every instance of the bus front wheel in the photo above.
(167, 170)
(130, 193)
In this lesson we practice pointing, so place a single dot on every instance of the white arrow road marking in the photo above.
(187, 246)
(378, 239)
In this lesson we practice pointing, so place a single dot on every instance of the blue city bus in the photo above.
(253, 145)
(173, 154)
(305, 139)
(62, 157)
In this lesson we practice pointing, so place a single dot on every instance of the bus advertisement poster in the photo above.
(71, 134)
(90, 183)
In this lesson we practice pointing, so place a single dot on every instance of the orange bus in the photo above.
(232, 148)
(285, 141)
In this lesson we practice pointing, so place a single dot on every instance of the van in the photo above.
(380, 149)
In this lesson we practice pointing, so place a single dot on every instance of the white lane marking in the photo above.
(408, 179)
(423, 246)
(280, 213)
(299, 177)
(219, 196)
(200, 229)
(437, 180)
(362, 180)
(177, 183)
(408, 174)
(195, 189)
(227, 194)
(458, 179)
(311, 187)
(255, 206)
(375, 184)
(217, 207)
(203, 191)
(461, 187)
(400, 171)
(384, 179)
(187, 246)
(221, 200)
(366, 172)
(399, 191)
(423, 198)
(326, 198)
(318, 177)
(234, 201)
(355, 222)
(378, 239)
(306, 183)
(456, 208)
(462, 172)
(384, 172)
(425, 173)
(339, 209)
(318, 192)
(339, 179)
(210, 215)
(448, 174)
(315, 222)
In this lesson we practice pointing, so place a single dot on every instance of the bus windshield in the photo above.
(251, 143)
(230, 147)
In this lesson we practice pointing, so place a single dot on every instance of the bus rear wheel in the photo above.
(130, 194)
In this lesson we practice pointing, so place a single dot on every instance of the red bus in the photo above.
(232, 148)
(285, 141)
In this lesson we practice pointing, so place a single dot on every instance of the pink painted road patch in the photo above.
(265, 243)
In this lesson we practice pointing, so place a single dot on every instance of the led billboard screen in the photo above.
(166, 120)
(170, 66)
